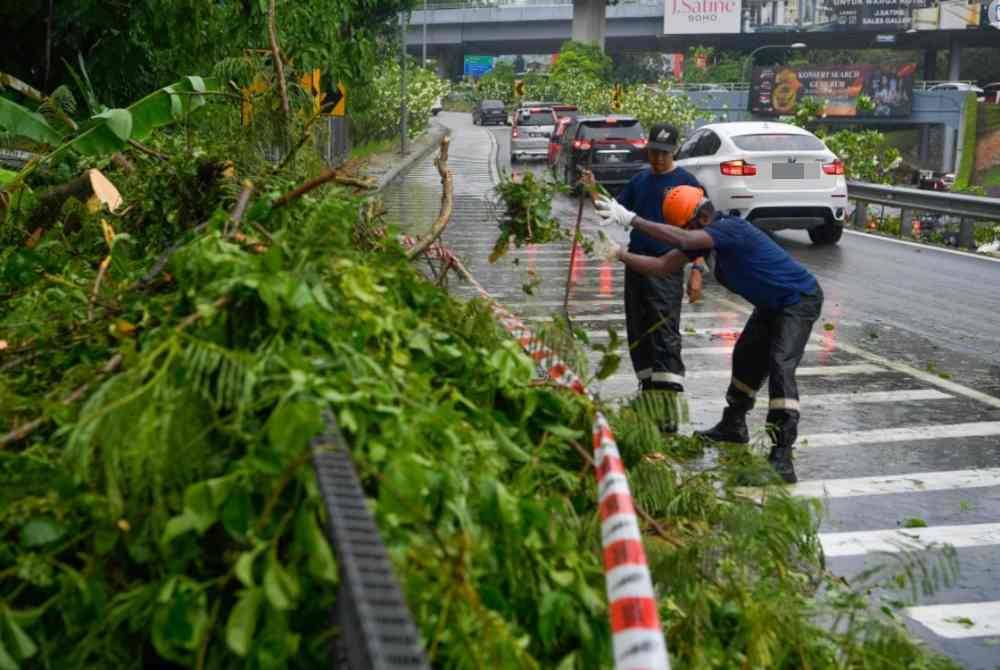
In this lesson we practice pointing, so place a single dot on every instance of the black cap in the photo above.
(664, 137)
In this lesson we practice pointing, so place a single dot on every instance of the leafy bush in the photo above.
(377, 110)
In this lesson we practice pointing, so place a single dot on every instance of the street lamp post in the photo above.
(753, 54)
(423, 60)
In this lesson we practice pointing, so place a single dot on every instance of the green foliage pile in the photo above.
(721, 66)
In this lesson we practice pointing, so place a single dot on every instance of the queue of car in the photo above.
(775, 175)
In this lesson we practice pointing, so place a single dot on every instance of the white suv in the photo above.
(775, 175)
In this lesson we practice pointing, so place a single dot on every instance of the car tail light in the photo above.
(836, 167)
(513, 131)
(738, 169)
(611, 120)
(638, 144)
(582, 145)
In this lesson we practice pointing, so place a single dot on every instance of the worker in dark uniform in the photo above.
(786, 297)
(653, 303)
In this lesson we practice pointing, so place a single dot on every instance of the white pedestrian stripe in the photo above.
(907, 539)
(621, 317)
(909, 483)
(907, 434)
(959, 621)
(817, 371)
(827, 399)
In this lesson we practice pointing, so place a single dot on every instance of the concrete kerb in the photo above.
(430, 141)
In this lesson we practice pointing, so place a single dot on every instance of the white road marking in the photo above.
(621, 317)
(960, 620)
(924, 247)
(819, 371)
(825, 399)
(907, 434)
(916, 482)
(896, 540)
(922, 375)
(690, 332)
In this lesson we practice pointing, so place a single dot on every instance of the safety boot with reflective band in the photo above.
(732, 428)
(783, 428)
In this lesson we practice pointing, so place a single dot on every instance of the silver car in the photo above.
(529, 134)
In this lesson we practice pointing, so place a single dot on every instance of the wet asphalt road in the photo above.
(900, 384)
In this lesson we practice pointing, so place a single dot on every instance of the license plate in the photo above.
(611, 157)
(788, 171)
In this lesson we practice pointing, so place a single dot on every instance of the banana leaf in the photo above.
(113, 128)
(21, 121)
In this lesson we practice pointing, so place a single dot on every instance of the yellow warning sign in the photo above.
(339, 100)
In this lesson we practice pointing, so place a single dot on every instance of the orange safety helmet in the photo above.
(681, 203)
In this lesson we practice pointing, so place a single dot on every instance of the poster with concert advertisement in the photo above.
(886, 16)
(776, 91)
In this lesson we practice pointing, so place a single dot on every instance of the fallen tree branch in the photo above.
(313, 184)
(27, 429)
(279, 67)
(241, 207)
(146, 150)
(447, 202)
(97, 286)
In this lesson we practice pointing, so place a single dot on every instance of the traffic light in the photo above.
(519, 88)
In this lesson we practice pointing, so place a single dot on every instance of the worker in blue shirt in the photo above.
(653, 303)
(786, 297)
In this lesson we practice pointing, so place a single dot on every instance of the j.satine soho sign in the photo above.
(701, 17)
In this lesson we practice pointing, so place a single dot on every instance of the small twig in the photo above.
(196, 315)
(447, 201)
(146, 150)
(97, 286)
(164, 258)
(22, 432)
(653, 523)
(241, 206)
(123, 163)
(279, 67)
(306, 134)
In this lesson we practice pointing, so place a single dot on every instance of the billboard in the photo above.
(767, 16)
(776, 91)
(701, 17)
(477, 66)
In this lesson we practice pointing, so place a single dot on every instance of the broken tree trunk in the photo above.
(91, 188)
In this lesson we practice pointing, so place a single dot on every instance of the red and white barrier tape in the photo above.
(637, 635)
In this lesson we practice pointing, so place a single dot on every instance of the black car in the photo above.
(612, 147)
(489, 111)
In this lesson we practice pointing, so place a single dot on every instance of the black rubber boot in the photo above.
(780, 459)
(732, 428)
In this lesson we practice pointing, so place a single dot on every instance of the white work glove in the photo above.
(606, 249)
(612, 211)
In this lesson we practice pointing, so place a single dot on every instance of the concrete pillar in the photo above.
(925, 144)
(930, 64)
(589, 21)
(955, 61)
(950, 145)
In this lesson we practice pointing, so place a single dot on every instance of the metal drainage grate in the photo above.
(376, 630)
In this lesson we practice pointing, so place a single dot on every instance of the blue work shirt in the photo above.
(643, 194)
(751, 264)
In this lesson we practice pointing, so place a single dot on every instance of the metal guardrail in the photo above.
(957, 204)
(376, 629)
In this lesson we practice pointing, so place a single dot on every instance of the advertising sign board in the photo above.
(884, 16)
(701, 17)
(777, 90)
(477, 66)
